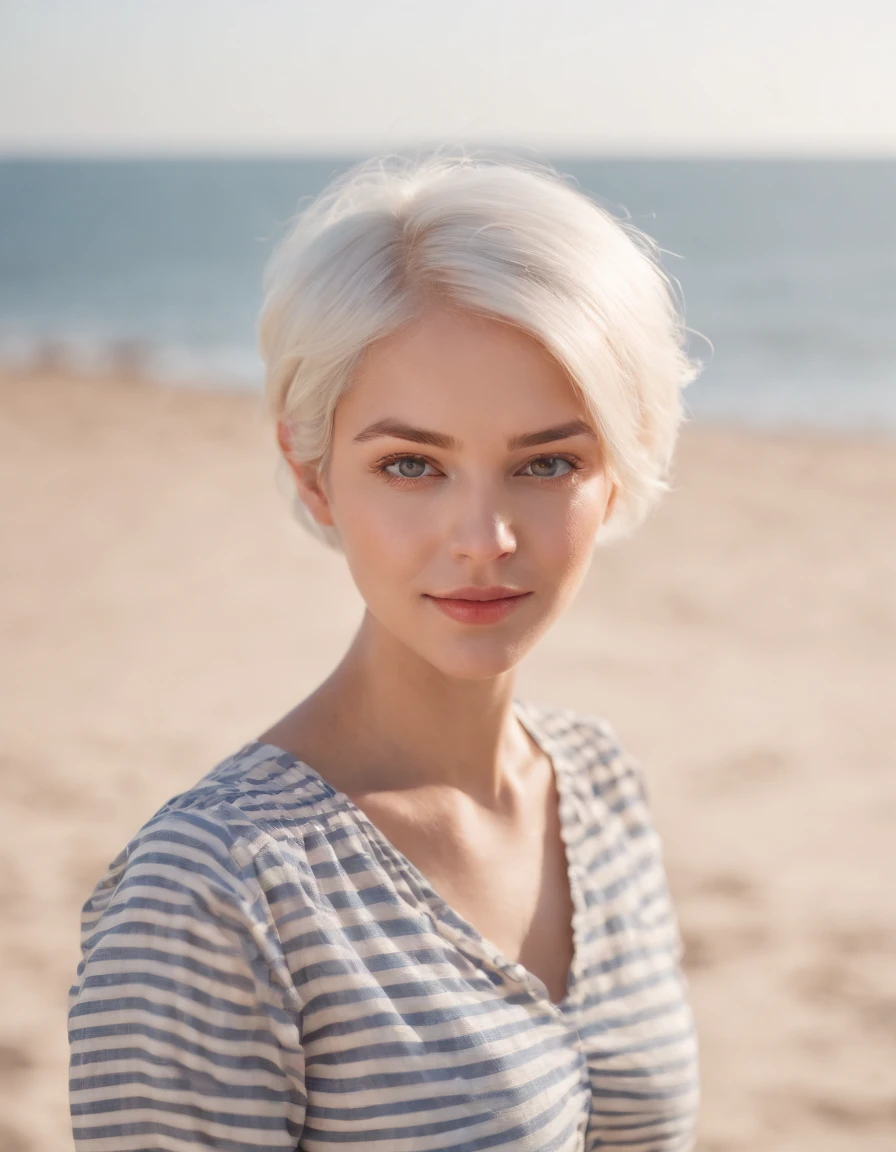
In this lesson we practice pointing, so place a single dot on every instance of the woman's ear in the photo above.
(307, 478)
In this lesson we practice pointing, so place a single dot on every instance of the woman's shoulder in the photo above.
(203, 841)
(588, 743)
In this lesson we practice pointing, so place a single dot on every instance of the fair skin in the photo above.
(416, 723)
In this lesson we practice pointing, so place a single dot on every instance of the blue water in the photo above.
(787, 266)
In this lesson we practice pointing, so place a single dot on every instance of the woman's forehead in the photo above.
(444, 366)
(442, 331)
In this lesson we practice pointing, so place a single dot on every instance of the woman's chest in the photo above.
(420, 1045)
(509, 882)
(419, 1035)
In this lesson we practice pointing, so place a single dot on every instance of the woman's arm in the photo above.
(181, 1030)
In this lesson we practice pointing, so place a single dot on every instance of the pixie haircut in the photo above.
(508, 239)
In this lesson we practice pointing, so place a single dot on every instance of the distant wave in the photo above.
(218, 367)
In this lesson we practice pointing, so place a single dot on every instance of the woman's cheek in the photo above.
(400, 524)
(386, 534)
(587, 510)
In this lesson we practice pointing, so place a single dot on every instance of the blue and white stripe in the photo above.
(262, 969)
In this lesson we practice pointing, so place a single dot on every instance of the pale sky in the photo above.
(605, 76)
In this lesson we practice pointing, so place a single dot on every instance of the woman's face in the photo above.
(461, 456)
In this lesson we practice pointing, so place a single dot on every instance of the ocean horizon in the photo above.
(787, 266)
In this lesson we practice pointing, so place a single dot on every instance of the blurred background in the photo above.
(159, 607)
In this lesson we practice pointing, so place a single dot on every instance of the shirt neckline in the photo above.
(447, 920)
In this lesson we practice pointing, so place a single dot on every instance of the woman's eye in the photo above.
(551, 462)
(407, 467)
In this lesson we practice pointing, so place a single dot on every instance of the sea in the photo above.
(787, 268)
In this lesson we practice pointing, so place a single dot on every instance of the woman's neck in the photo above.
(385, 720)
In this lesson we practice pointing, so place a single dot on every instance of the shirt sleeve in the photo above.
(183, 1034)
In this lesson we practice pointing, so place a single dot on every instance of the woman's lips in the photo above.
(478, 611)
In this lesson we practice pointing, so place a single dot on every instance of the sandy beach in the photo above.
(159, 607)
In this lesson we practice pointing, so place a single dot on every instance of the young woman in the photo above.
(419, 912)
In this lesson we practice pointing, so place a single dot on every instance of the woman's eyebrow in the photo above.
(402, 431)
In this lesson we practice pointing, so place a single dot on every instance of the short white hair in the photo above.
(505, 238)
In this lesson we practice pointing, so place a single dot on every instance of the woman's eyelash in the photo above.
(573, 461)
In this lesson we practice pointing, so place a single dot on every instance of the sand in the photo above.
(159, 607)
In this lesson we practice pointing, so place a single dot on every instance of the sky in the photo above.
(629, 77)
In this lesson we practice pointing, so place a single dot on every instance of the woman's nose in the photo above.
(480, 526)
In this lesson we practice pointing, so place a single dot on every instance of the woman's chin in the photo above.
(473, 670)
(479, 658)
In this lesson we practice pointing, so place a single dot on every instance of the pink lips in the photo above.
(479, 605)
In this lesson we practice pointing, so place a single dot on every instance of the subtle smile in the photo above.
(479, 605)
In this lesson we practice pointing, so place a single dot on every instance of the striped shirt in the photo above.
(262, 969)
